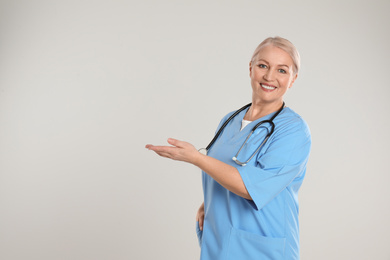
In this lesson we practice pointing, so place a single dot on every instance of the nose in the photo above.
(269, 75)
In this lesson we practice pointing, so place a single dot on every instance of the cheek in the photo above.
(255, 73)
(286, 82)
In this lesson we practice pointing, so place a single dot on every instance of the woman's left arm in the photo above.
(225, 174)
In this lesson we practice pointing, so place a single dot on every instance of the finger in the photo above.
(174, 142)
(166, 155)
(166, 149)
(180, 144)
(201, 219)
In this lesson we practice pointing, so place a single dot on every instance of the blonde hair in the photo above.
(283, 44)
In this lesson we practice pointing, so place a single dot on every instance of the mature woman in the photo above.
(250, 208)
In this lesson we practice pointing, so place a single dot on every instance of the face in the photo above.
(271, 75)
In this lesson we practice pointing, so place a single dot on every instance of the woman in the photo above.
(250, 209)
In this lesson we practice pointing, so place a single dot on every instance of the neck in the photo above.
(258, 110)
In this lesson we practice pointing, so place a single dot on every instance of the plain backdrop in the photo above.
(84, 85)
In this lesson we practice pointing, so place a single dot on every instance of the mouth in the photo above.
(267, 87)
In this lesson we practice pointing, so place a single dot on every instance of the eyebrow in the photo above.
(262, 60)
(280, 65)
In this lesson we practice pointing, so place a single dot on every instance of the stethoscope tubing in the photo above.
(269, 121)
(225, 124)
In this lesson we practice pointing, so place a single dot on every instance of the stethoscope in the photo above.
(269, 121)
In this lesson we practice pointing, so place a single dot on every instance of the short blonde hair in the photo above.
(283, 44)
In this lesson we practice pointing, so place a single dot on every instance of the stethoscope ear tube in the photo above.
(253, 155)
(203, 151)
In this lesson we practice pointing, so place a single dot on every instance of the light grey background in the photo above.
(84, 85)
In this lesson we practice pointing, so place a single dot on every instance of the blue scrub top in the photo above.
(266, 227)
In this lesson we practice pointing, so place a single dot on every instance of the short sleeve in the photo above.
(283, 161)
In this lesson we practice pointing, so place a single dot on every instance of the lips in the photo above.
(267, 87)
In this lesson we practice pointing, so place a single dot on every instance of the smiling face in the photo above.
(271, 74)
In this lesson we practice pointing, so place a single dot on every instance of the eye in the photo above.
(282, 71)
(263, 66)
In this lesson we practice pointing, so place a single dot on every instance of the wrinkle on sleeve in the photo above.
(284, 160)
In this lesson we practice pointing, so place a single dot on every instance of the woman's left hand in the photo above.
(179, 151)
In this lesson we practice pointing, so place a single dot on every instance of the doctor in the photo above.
(251, 212)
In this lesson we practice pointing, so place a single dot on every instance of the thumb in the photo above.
(173, 142)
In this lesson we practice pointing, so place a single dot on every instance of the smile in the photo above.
(268, 87)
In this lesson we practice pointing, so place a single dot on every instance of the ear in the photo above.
(293, 80)
(250, 68)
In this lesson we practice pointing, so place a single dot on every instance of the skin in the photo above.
(272, 67)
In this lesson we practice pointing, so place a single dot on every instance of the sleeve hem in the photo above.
(247, 182)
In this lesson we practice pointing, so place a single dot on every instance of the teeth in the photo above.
(267, 87)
